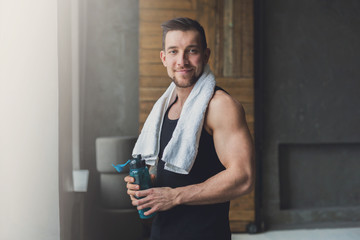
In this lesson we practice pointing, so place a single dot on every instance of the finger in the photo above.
(131, 192)
(144, 193)
(132, 186)
(144, 202)
(152, 177)
(129, 179)
(140, 202)
(150, 211)
(142, 205)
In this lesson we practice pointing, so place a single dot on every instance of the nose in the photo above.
(182, 59)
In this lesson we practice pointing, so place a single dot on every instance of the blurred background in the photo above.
(78, 78)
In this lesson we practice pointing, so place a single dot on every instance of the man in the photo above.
(196, 205)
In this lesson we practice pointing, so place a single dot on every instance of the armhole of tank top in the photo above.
(168, 109)
(217, 88)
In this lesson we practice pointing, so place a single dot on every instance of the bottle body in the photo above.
(142, 178)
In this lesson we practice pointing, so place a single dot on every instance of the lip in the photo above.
(183, 70)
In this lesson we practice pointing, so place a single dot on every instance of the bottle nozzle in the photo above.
(120, 167)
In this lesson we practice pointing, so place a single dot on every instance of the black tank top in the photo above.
(187, 222)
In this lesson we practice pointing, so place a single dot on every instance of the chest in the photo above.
(175, 111)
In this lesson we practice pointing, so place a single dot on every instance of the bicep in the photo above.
(232, 138)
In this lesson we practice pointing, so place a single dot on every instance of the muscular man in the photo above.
(196, 205)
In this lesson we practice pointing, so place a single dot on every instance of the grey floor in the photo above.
(303, 234)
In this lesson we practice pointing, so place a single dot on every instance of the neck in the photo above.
(182, 94)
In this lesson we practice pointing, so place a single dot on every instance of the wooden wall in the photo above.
(228, 26)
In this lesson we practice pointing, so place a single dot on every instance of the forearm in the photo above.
(222, 187)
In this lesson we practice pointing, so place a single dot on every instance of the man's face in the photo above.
(184, 57)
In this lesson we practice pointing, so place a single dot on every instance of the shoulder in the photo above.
(224, 111)
(222, 98)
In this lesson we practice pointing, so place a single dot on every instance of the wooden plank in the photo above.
(152, 70)
(155, 82)
(244, 37)
(150, 28)
(238, 38)
(228, 38)
(206, 17)
(248, 50)
(243, 95)
(230, 82)
(238, 226)
(150, 41)
(243, 209)
(149, 56)
(242, 215)
(242, 204)
(218, 51)
(145, 107)
(248, 196)
(150, 94)
(168, 4)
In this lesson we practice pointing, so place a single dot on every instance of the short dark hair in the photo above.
(183, 24)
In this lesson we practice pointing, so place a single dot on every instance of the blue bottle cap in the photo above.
(136, 162)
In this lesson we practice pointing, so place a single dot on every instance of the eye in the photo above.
(193, 51)
(172, 51)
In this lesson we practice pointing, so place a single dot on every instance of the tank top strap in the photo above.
(219, 88)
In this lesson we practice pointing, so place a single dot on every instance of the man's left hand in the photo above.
(157, 199)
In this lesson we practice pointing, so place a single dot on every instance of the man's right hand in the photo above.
(132, 188)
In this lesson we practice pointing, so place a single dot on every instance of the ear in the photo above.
(207, 53)
(163, 58)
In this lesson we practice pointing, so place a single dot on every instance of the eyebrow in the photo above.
(190, 46)
(171, 47)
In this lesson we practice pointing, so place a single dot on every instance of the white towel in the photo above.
(180, 153)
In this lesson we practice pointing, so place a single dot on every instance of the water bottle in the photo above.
(140, 172)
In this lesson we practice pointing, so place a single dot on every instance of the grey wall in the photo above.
(310, 73)
(29, 122)
(70, 204)
(109, 87)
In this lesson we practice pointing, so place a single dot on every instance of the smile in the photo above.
(183, 70)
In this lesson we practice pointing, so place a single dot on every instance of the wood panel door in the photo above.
(228, 25)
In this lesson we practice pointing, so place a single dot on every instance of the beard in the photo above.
(186, 84)
(180, 84)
